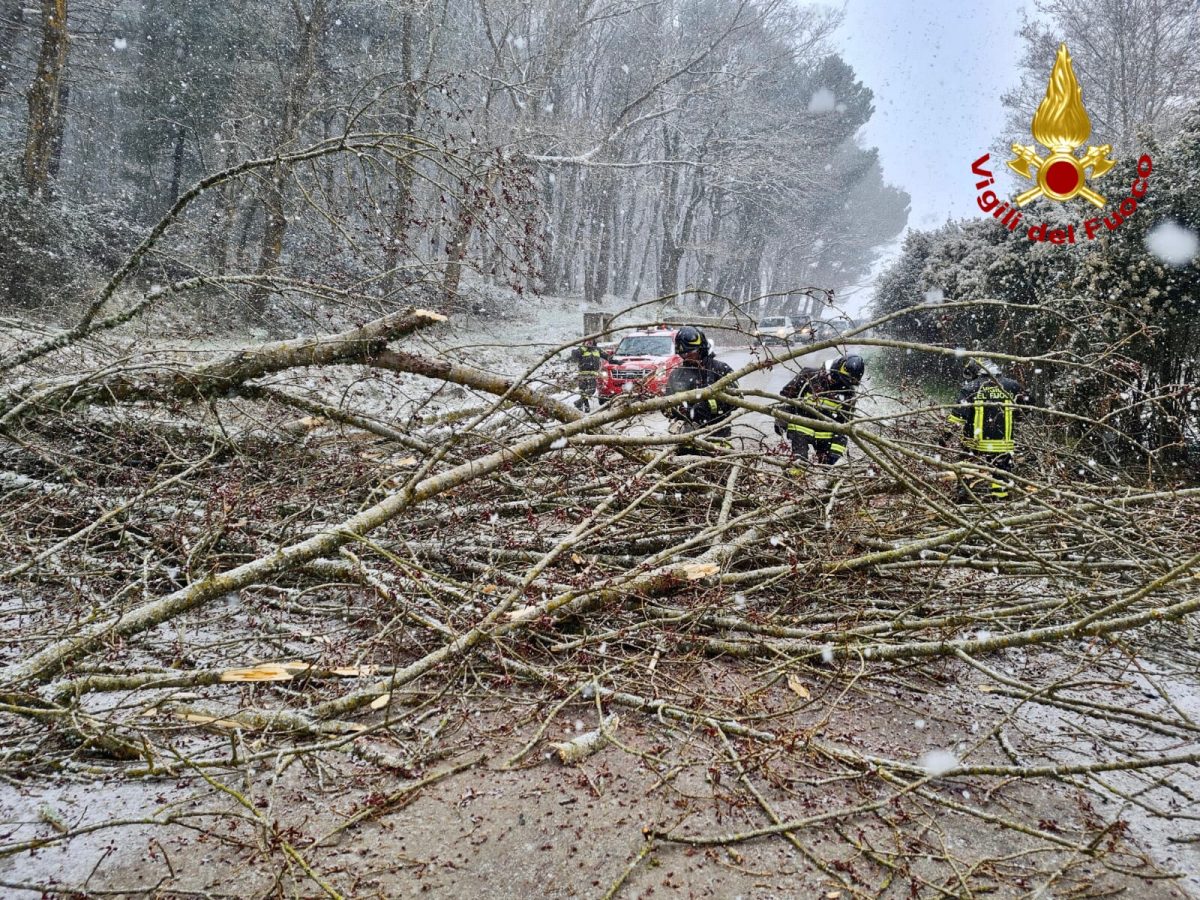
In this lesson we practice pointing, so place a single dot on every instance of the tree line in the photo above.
(620, 147)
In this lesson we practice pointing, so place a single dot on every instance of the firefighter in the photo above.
(984, 420)
(588, 358)
(699, 369)
(829, 392)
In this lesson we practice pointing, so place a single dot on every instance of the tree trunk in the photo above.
(11, 18)
(669, 253)
(707, 259)
(651, 218)
(624, 228)
(588, 263)
(224, 215)
(274, 230)
(45, 125)
(56, 139)
(570, 250)
(177, 162)
(233, 369)
(674, 245)
(598, 247)
(550, 256)
(600, 271)
(402, 213)
(564, 219)
(249, 216)
(456, 251)
(668, 264)
(274, 203)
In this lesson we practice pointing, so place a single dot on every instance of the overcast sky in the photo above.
(938, 68)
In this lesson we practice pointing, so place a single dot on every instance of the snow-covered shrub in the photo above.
(1117, 318)
(51, 254)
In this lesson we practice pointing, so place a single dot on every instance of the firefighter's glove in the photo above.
(779, 425)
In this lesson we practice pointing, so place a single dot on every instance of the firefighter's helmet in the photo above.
(690, 342)
(850, 367)
(977, 367)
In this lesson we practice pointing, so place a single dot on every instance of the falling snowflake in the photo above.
(938, 762)
(823, 101)
(1172, 243)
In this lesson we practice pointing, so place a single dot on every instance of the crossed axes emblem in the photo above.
(1061, 175)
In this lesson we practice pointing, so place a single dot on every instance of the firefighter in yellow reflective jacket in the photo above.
(826, 393)
(984, 418)
(588, 359)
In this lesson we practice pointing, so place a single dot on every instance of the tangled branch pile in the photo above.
(839, 681)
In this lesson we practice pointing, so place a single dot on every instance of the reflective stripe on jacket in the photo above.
(824, 398)
(986, 413)
(589, 359)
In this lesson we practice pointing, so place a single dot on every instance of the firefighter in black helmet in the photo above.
(699, 369)
(588, 358)
(825, 393)
(984, 420)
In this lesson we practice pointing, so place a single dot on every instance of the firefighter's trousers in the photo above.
(827, 447)
(997, 482)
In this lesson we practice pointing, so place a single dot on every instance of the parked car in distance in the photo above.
(828, 329)
(779, 329)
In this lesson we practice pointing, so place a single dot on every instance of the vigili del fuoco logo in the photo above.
(1062, 126)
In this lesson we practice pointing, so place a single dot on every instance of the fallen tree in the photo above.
(261, 591)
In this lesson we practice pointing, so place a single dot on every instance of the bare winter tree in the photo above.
(11, 18)
(47, 95)
(1135, 58)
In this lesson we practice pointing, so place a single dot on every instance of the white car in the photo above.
(779, 330)
(828, 329)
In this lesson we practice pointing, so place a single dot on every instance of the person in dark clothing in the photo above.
(698, 370)
(984, 420)
(588, 359)
(822, 394)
